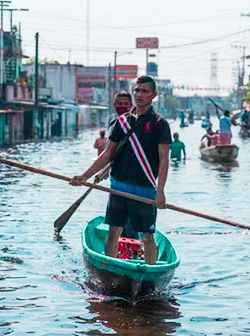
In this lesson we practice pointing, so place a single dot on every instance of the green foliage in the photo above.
(246, 96)
(31, 60)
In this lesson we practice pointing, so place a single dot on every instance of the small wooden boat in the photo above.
(218, 153)
(126, 278)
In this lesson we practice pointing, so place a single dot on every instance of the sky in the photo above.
(190, 32)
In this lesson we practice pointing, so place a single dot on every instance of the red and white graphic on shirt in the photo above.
(138, 150)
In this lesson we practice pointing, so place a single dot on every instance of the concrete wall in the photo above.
(59, 78)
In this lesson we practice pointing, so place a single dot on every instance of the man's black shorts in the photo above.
(141, 215)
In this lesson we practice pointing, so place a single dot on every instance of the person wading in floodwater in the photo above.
(177, 147)
(100, 142)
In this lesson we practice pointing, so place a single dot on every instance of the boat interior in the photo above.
(96, 235)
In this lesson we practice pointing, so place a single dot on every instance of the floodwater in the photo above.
(43, 287)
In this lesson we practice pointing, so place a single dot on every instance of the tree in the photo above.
(45, 60)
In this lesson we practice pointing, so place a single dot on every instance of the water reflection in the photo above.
(151, 317)
(223, 167)
(227, 167)
(175, 164)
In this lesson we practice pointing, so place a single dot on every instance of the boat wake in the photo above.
(202, 282)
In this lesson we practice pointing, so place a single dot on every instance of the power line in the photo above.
(205, 40)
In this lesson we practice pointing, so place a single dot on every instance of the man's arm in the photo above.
(163, 151)
(234, 121)
(100, 163)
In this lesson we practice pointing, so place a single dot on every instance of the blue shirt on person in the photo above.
(225, 125)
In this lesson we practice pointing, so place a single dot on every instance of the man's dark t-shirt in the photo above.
(151, 129)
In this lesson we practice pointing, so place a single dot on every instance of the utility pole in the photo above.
(214, 73)
(146, 62)
(36, 73)
(87, 33)
(115, 62)
(109, 94)
(3, 3)
(241, 73)
(241, 78)
(244, 48)
(13, 49)
(37, 118)
(11, 10)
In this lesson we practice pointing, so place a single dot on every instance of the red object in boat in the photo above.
(129, 248)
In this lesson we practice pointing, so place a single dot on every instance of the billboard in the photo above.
(147, 42)
(86, 85)
(152, 69)
(126, 71)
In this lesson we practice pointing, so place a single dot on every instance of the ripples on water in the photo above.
(42, 279)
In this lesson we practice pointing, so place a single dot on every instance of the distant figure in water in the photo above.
(177, 147)
(191, 116)
(100, 142)
(182, 116)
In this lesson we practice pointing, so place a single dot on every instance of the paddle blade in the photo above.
(63, 218)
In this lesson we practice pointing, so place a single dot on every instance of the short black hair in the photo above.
(124, 93)
(147, 79)
(226, 113)
(102, 133)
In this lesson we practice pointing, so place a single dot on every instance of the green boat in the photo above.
(126, 278)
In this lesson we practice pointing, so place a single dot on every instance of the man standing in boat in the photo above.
(135, 169)
(225, 123)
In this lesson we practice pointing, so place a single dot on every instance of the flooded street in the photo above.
(43, 281)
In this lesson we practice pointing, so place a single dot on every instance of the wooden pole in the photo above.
(124, 194)
(64, 217)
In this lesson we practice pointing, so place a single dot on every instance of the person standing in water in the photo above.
(177, 147)
(100, 142)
